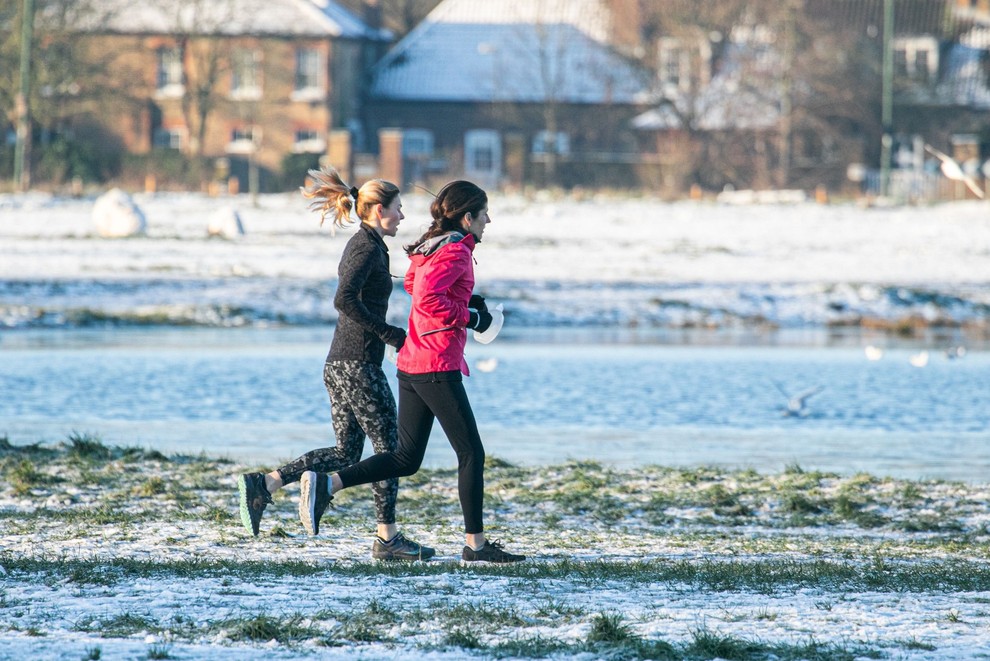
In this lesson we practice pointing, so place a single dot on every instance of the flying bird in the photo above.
(952, 170)
(796, 406)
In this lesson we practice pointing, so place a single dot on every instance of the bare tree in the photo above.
(766, 92)
(205, 56)
(69, 79)
(710, 75)
(399, 16)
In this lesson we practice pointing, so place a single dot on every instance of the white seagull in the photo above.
(796, 403)
(919, 359)
(873, 353)
(487, 364)
(952, 170)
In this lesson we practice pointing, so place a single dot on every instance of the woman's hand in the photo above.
(480, 320)
(478, 303)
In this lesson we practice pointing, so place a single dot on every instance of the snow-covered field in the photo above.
(115, 554)
(106, 553)
(606, 261)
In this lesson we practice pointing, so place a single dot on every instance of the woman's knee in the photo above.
(407, 464)
(473, 455)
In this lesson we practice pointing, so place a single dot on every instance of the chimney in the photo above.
(373, 14)
(626, 17)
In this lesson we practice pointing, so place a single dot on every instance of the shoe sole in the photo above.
(401, 558)
(245, 509)
(468, 563)
(307, 502)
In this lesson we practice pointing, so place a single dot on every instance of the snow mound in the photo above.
(117, 216)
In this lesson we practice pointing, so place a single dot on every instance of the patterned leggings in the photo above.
(361, 403)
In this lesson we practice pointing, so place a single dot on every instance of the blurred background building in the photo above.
(679, 97)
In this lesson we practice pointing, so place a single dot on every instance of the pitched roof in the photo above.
(513, 51)
(309, 18)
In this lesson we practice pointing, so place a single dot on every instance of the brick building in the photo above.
(233, 81)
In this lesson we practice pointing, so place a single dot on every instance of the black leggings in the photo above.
(423, 398)
(361, 403)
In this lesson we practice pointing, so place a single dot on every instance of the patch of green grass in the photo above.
(160, 652)
(151, 487)
(262, 628)
(119, 626)
(760, 575)
(536, 647)
(464, 639)
(610, 628)
(484, 616)
(915, 644)
(24, 476)
(86, 447)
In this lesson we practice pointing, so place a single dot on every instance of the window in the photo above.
(167, 138)
(244, 140)
(916, 58)
(245, 80)
(482, 153)
(417, 143)
(546, 142)
(674, 66)
(169, 74)
(309, 75)
(308, 141)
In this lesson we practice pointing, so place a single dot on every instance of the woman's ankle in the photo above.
(475, 540)
(273, 482)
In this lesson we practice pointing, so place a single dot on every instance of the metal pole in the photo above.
(22, 147)
(887, 103)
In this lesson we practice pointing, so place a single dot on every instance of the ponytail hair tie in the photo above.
(354, 192)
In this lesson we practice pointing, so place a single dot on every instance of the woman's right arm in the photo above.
(434, 284)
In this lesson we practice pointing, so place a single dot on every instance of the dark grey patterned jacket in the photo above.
(363, 287)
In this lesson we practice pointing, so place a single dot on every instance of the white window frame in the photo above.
(673, 65)
(168, 72)
(245, 75)
(310, 75)
(308, 141)
(168, 138)
(482, 153)
(244, 140)
(912, 47)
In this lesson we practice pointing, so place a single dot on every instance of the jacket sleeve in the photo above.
(352, 275)
(447, 267)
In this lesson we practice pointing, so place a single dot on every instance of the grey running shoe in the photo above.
(490, 552)
(400, 548)
(314, 497)
(254, 498)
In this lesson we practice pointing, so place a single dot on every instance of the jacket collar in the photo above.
(375, 236)
(430, 246)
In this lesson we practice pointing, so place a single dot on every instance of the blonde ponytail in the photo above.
(332, 196)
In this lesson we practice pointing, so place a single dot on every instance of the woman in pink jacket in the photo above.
(431, 366)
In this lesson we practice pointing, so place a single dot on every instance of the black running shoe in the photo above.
(490, 552)
(400, 548)
(254, 499)
(314, 497)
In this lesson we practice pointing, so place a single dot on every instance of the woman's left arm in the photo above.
(352, 277)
